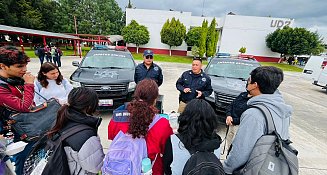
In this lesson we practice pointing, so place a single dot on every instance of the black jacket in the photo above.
(200, 82)
(154, 73)
(78, 118)
(237, 107)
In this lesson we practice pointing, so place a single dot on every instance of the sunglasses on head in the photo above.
(149, 57)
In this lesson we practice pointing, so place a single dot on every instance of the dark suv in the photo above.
(228, 79)
(110, 72)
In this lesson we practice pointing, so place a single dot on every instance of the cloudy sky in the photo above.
(311, 14)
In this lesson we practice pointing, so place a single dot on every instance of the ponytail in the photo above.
(141, 116)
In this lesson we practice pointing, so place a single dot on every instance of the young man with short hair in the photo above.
(262, 85)
(148, 69)
(193, 84)
(16, 92)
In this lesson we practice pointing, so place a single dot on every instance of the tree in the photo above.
(297, 41)
(212, 39)
(203, 38)
(136, 34)
(192, 36)
(173, 33)
(195, 51)
(242, 50)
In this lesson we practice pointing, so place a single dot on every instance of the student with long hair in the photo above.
(83, 150)
(142, 112)
(51, 84)
(197, 131)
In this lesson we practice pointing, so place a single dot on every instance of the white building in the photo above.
(235, 31)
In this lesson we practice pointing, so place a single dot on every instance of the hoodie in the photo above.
(253, 126)
(176, 155)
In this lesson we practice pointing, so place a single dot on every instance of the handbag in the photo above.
(34, 124)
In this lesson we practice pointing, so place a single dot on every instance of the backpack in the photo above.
(48, 155)
(203, 163)
(271, 154)
(125, 154)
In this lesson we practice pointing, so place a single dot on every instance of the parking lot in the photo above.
(308, 126)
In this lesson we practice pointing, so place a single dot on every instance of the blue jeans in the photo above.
(41, 58)
(20, 158)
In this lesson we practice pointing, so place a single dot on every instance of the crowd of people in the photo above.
(169, 152)
(51, 54)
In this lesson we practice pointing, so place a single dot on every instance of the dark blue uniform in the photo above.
(237, 107)
(154, 73)
(200, 82)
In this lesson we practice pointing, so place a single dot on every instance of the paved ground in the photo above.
(308, 127)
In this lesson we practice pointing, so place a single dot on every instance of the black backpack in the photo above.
(203, 163)
(52, 152)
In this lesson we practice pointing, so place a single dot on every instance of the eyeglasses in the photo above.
(149, 57)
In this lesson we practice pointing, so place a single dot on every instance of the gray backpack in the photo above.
(271, 155)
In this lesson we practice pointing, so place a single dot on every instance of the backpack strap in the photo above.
(156, 118)
(268, 117)
(61, 136)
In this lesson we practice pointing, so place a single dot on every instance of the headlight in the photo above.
(131, 86)
(75, 84)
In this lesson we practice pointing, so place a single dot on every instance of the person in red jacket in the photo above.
(141, 113)
(16, 92)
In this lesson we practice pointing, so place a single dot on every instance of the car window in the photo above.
(108, 60)
(230, 69)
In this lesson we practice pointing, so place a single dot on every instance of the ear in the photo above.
(3, 66)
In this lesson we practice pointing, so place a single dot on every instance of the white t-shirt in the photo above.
(53, 90)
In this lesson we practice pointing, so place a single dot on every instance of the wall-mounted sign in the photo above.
(279, 23)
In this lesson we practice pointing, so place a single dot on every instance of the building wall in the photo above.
(250, 32)
(155, 19)
(235, 31)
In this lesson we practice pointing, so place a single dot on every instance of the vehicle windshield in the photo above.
(108, 60)
(231, 69)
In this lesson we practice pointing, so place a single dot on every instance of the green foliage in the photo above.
(212, 39)
(195, 51)
(242, 50)
(297, 41)
(93, 16)
(173, 33)
(193, 36)
(136, 34)
(203, 38)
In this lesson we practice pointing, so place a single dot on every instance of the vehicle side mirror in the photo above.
(75, 63)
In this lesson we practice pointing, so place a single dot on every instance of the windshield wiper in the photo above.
(87, 67)
(111, 67)
(216, 75)
(243, 79)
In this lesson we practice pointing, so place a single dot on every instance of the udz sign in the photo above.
(279, 23)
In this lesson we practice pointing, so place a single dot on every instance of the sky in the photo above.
(311, 14)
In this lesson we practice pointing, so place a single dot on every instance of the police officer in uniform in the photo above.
(148, 69)
(193, 84)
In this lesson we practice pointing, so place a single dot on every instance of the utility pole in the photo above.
(78, 42)
(203, 8)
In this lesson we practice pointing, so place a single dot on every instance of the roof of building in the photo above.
(25, 31)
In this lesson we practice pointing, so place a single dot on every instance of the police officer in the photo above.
(148, 69)
(193, 84)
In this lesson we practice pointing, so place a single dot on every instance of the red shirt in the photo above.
(155, 140)
(17, 98)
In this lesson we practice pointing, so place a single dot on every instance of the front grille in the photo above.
(109, 90)
(223, 100)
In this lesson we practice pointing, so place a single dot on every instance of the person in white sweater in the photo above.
(51, 84)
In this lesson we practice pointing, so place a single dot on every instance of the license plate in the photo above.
(106, 102)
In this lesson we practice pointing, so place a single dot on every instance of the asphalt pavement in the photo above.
(308, 125)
